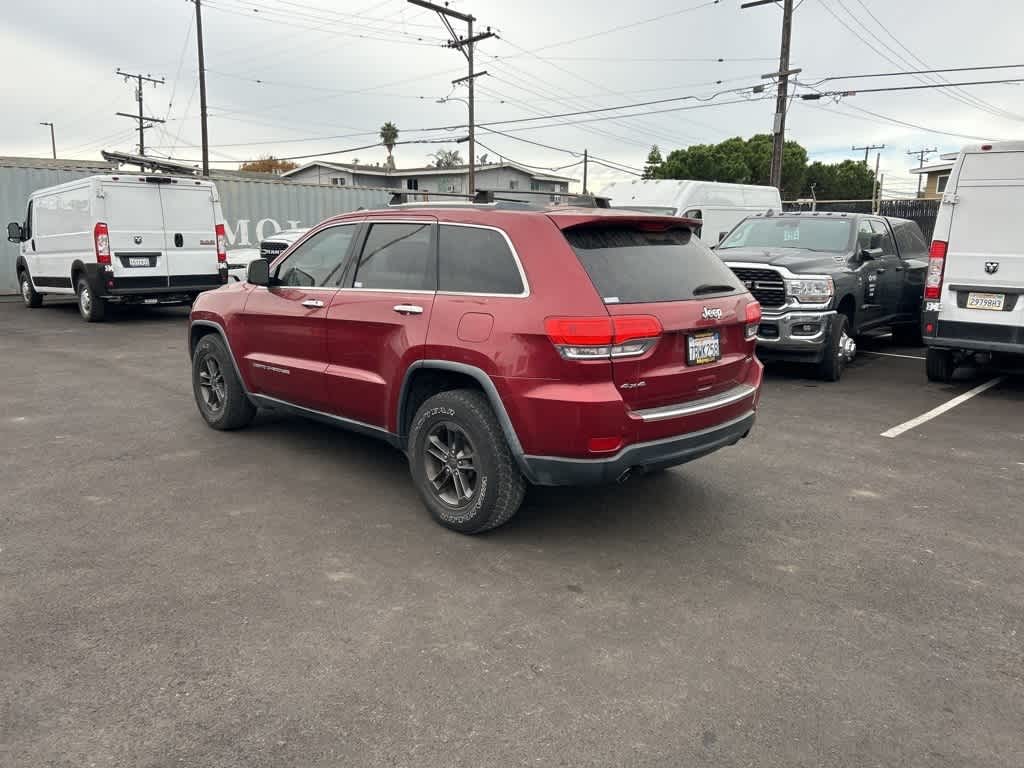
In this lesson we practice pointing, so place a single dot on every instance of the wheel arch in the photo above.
(198, 329)
(448, 373)
(848, 306)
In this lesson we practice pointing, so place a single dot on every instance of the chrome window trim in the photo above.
(720, 400)
(525, 293)
(371, 220)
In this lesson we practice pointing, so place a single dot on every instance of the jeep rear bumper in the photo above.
(640, 457)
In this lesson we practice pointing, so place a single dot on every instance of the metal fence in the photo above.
(921, 211)
(252, 208)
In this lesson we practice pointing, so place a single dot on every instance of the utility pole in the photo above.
(875, 189)
(465, 46)
(585, 161)
(144, 122)
(779, 127)
(921, 155)
(53, 141)
(867, 149)
(202, 88)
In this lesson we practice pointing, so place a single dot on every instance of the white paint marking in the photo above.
(890, 354)
(947, 406)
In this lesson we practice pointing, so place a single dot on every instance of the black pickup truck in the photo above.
(825, 278)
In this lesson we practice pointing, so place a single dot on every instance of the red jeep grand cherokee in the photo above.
(494, 345)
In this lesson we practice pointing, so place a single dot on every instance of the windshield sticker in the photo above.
(791, 235)
(611, 299)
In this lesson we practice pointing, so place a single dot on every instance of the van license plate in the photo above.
(993, 301)
(704, 348)
(138, 261)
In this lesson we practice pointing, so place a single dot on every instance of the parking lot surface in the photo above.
(816, 595)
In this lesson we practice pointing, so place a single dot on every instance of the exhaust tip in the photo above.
(625, 475)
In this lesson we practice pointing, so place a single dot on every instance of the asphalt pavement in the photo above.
(818, 595)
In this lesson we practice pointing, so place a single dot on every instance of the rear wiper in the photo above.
(713, 288)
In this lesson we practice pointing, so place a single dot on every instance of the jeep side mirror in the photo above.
(15, 233)
(258, 272)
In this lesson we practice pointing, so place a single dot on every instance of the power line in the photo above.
(885, 119)
(557, 149)
(912, 72)
(141, 117)
(928, 86)
(333, 152)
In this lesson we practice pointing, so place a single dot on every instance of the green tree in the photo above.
(848, 180)
(654, 161)
(447, 158)
(389, 137)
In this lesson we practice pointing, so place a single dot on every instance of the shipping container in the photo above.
(253, 208)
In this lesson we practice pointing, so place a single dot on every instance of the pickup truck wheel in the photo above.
(939, 365)
(91, 307)
(839, 350)
(219, 394)
(28, 293)
(461, 463)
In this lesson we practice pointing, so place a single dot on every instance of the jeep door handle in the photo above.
(313, 303)
(881, 271)
(408, 309)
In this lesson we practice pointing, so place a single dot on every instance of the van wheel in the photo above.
(91, 307)
(939, 365)
(840, 349)
(219, 394)
(461, 464)
(28, 293)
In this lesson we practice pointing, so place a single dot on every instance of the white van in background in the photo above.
(974, 289)
(719, 206)
(125, 238)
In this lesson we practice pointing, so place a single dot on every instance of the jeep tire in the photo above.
(219, 394)
(462, 465)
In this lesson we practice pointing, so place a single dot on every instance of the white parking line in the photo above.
(891, 354)
(938, 411)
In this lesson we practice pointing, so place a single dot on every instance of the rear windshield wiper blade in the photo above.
(713, 288)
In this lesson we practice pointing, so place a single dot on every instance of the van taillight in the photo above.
(936, 266)
(222, 243)
(101, 240)
(596, 338)
(753, 321)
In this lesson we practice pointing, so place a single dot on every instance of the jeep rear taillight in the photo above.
(597, 338)
(101, 241)
(222, 244)
(753, 321)
(936, 266)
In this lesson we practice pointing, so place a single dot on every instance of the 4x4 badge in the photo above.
(991, 267)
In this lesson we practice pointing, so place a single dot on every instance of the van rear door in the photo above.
(134, 217)
(190, 239)
(984, 272)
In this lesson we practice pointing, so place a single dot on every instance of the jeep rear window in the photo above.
(629, 265)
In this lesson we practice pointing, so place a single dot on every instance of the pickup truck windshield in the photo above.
(810, 234)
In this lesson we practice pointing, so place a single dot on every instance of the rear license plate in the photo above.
(705, 347)
(992, 301)
(138, 261)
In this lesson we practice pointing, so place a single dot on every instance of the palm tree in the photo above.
(447, 158)
(389, 137)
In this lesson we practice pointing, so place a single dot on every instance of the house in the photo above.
(935, 176)
(508, 178)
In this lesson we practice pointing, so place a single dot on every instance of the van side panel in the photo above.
(62, 230)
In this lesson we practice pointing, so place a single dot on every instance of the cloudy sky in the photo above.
(290, 77)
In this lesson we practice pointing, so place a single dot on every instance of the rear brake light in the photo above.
(101, 240)
(936, 266)
(594, 338)
(222, 243)
(753, 321)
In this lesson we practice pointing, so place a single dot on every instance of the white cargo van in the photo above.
(720, 207)
(126, 238)
(974, 289)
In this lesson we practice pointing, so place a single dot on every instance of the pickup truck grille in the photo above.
(765, 284)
